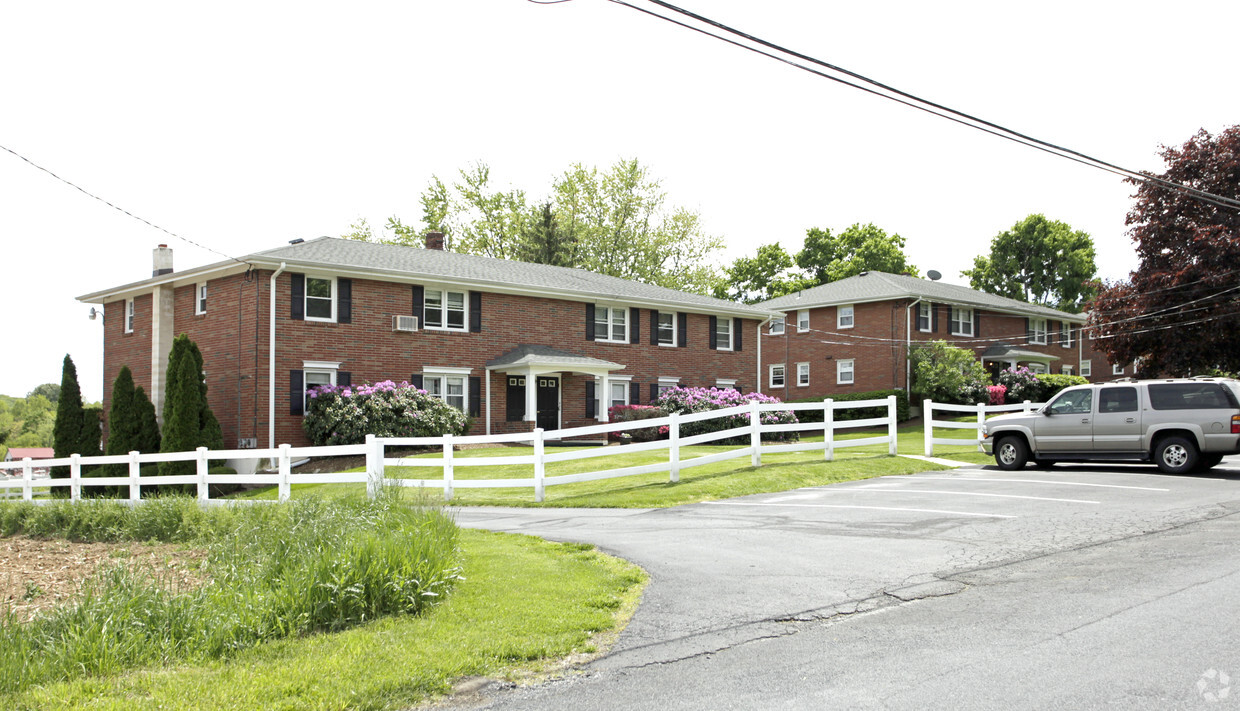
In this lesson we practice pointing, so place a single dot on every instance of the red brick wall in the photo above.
(131, 349)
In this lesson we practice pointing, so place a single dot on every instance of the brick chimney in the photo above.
(434, 240)
(161, 260)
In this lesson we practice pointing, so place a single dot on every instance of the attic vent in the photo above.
(408, 324)
(299, 240)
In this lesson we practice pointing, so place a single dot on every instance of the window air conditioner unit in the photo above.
(408, 324)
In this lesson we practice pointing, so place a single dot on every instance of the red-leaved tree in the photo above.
(1179, 312)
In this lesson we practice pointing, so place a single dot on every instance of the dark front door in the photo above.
(548, 417)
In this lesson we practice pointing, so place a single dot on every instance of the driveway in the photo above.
(853, 592)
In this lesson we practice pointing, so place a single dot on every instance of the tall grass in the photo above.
(273, 572)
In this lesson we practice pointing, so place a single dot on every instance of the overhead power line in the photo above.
(871, 86)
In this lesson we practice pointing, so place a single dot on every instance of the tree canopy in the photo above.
(1177, 312)
(1039, 261)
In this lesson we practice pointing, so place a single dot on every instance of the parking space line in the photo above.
(1034, 481)
(867, 508)
(867, 489)
(793, 497)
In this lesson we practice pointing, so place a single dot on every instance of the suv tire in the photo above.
(1208, 461)
(1176, 455)
(1011, 453)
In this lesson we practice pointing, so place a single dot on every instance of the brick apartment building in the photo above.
(853, 335)
(516, 345)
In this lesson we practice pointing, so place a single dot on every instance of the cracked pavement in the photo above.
(903, 592)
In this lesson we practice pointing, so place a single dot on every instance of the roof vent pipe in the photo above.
(161, 260)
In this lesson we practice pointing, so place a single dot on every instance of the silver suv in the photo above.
(1181, 424)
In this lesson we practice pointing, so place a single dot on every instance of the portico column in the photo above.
(531, 396)
(604, 398)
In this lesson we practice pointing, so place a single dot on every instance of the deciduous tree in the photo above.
(1040, 261)
(766, 275)
(826, 257)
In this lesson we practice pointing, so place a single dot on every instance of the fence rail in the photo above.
(981, 410)
(377, 461)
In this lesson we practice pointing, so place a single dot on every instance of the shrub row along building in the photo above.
(519, 345)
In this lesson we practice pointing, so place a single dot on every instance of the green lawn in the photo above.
(720, 480)
(524, 606)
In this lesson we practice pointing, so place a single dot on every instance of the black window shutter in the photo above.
(736, 333)
(344, 307)
(515, 399)
(1053, 325)
(654, 327)
(591, 405)
(737, 387)
(589, 322)
(635, 316)
(682, 329)
(416, 381)
(654, 392)
(475, 395)
(419, 303)
(298, 302)
(1028, 331)
(344, 379)
(714, 322)
(296, 392)
(475, 312)
(635, 394)
(934, 318)
(977, 323)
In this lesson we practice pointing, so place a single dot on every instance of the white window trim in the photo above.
(315, 366)
(929, 309)
(305, 299)
(602, 400)
(1117, 370)
(781, 321)
(725, 383)
(962, 310)
(840, 370)
(445, 372)
(1037, 336)
(802, 320)
(1039, 368)
(839, 316)
(675, 330)
(720, 345)
(443, 309)
(130, 310)
(1087, 368)
(783, 374)
(611, 323)
(200, 298)
(1065, 334)
(805, 367)
(1067, 370)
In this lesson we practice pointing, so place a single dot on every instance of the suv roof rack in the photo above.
(1124, 380)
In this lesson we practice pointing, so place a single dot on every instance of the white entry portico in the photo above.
(530, 361)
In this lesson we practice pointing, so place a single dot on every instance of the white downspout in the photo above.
(758, 388)
(908, 348)
(271, 364)
(488, 389)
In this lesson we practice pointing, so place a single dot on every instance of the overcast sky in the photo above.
(241, 126)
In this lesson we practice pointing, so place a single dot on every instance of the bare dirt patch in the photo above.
(37, 575)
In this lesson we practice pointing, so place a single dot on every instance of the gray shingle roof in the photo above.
(527, 354)
(880, 286)
(432, 263)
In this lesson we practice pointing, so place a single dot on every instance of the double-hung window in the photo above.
(1037, 331)
(320, 299)
(962, 321)
(925, 317)
(1065, 334)
(666, 384)
(723, 333)
(844, 372)
(443, 309)
(200, 299)
(802, 374)
(619, 393)
(777, 326)
(1087, 369)
(667, 328)
(777, 375)
(802, 320)
(129, 315)
(844, 317)
(611, 324)
(1117, 369)
(451, 388)
(315, 378)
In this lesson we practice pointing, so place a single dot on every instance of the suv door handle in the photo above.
(1130, 420)
(1084, 420)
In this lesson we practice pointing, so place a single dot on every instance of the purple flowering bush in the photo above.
(997, 394)
(689, 400)
(1021, 383)
(345, 415)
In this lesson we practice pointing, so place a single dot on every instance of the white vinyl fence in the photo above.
(981, 409)
(377, 460)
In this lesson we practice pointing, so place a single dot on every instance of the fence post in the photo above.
(75, 477)
(201, 463)
(27, 478)
(927, 415)
(828, 428)
(1028, 407)
(540, 466)
(981, 422)
(374, 465)
(283, 488)
(448, 469)
(135, 482)
(755, 434)
(673, 448)
(892, 433)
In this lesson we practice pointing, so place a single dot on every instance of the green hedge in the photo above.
(863, 413)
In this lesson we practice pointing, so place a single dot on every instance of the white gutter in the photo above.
(271, 364)
(908, 349)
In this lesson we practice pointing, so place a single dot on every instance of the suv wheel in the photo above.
(1011, 453)
(1208, 461)
(1176, 455)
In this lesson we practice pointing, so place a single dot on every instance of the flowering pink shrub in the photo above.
(687, 400)
(345, 415)
(997, 393)
(627, 413)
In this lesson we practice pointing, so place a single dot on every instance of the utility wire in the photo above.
(921, 104)
(144, 221)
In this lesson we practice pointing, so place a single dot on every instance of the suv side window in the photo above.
(1072, 402)
(1117, 400)
(1190, 396)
